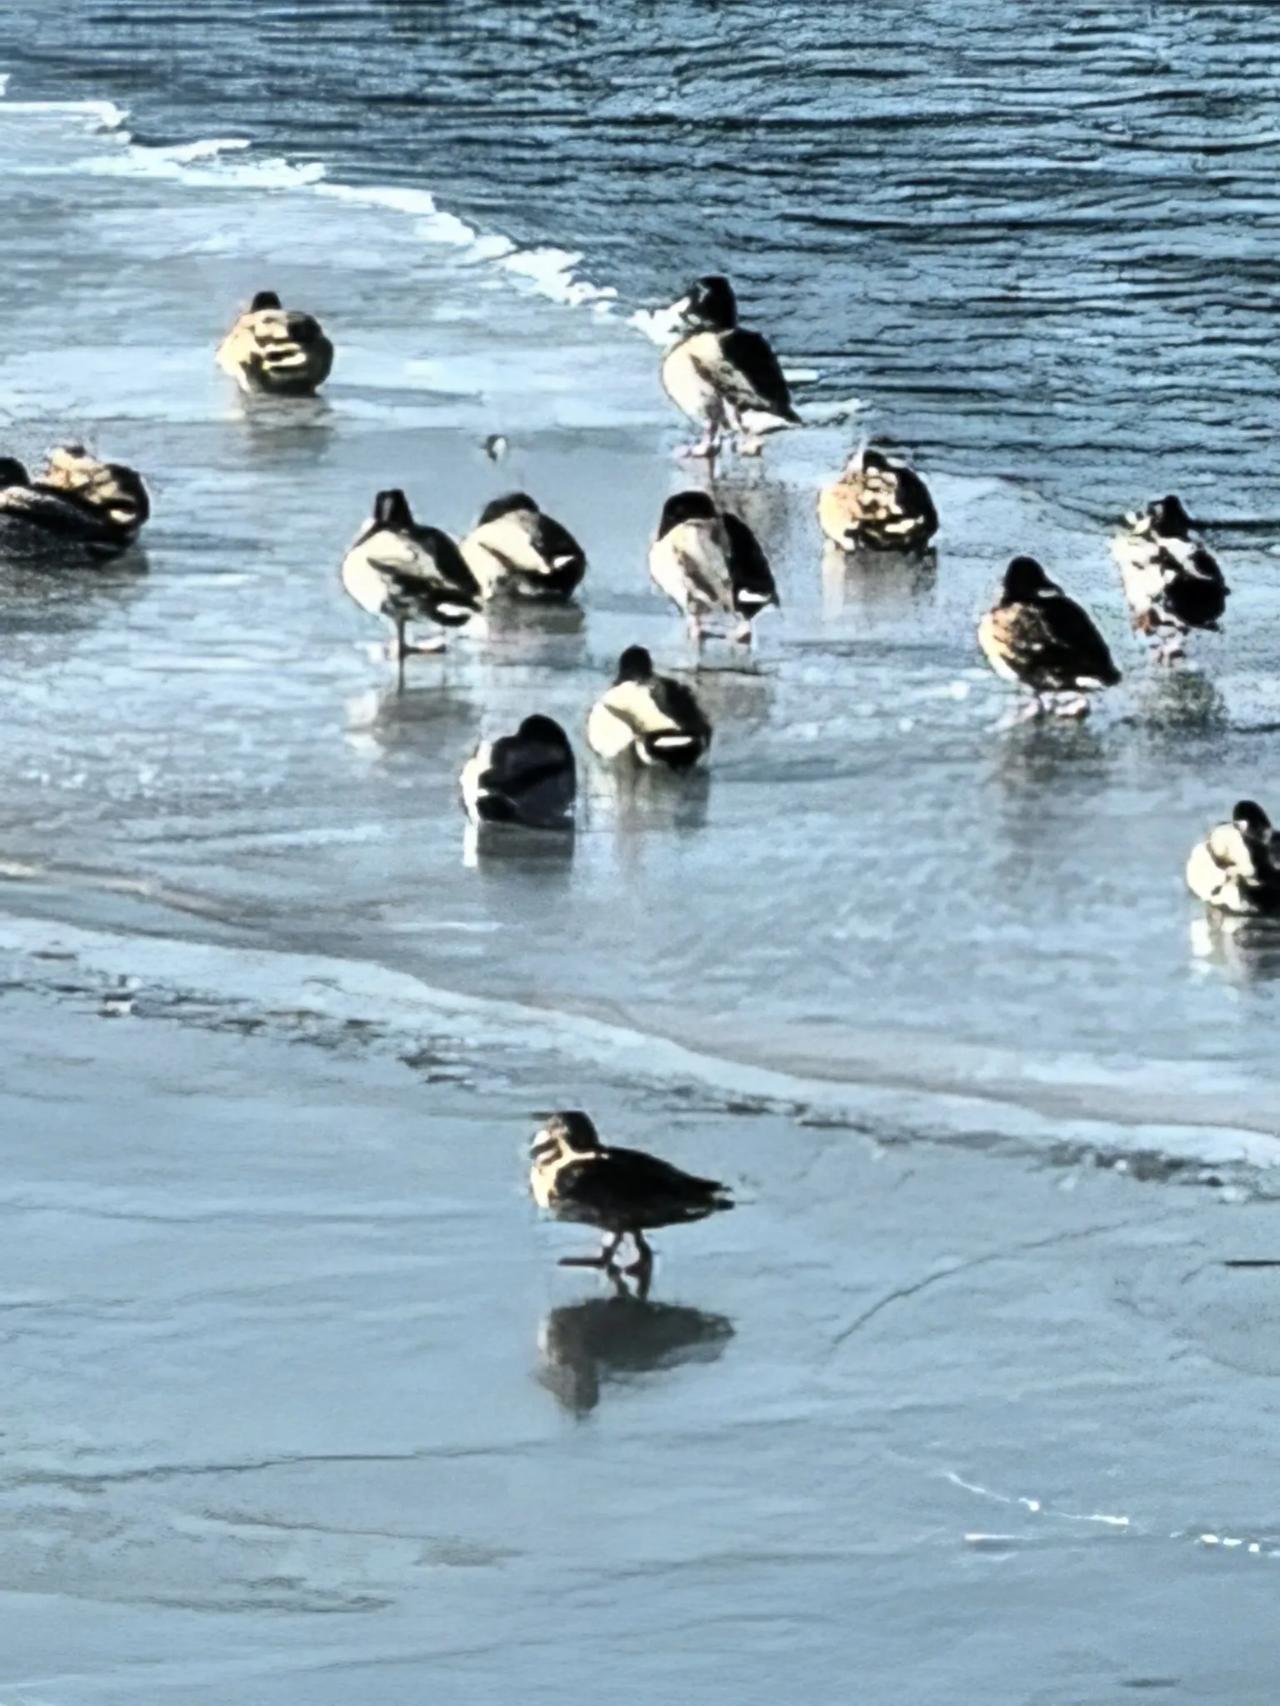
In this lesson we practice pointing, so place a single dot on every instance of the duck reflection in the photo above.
(44, 616)
(1244, 950)
(637, 799)
(584, 1346)
(876, 582)
(1181, 702)
(389, 718)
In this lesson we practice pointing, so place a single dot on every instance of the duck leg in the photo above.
(642, 1267)
(1072, 705)
(608, 1250)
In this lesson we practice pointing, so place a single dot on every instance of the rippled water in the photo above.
(298, 1402)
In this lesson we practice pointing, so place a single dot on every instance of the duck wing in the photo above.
(62, 516)
(623, 1187)
(536, 780)
(556, 545)
(674, 701)
(749, 571)
(1070, 644)
(754, 380)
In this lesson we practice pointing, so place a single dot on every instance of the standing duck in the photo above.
(515, 548)
(408, 573)
(879, 503)
(112, 490)
(275, 349)
(710, 564)
(649, 715)
(528, 778)
(39, 521)
(623, 1192)
(725, 379)
(1234, 868)
(1038, 636)
(1171, 578)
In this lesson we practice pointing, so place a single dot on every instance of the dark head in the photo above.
(264, 299)
(1025, 579)
(507, 506)
(685, 506)
(391, 509)
(12, 473)
(1250, 818)
(1170, 518)
(712, 304)
(571, 1129)
(546, 731)
(876, 461)
(635, 664)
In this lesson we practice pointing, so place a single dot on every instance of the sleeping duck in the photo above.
(275, 349)
(879, 503)
(1236, 868)
(528, 778)
(38, 520)
(710, 565)
(1038, 636)
(649, 715)
(725, 379)
(515, 548)
(622, 1191)
(409, 573)
(113, 490)
(1171, 578)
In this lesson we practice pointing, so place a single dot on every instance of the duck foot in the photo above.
(744, 634)
(605, 1260)
(750, 446)
(1075, 705)
(704, 450)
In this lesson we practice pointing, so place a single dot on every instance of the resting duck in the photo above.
(649, 715)
(41, 521)
(622, 1191)
(1235, 868)
(1038, 636)
(528, 778)
(409, 573)
(710, 564)
(111, 489)
(879, 503)
(725, 379)
(1171, 578)
(276, 349)
(515, 548)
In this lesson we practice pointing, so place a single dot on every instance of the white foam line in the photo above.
(1036, 1506)
(106, 114)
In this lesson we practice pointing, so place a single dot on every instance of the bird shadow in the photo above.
(584, 1347)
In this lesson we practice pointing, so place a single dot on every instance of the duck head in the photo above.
(507, 505)
(570, 1132)
(263, 300)
(635, 664)
(545, 731)
(12, 473)
(1250, 819)
(710, 304)
(685, 506)
(391, 509)
(1024, 580)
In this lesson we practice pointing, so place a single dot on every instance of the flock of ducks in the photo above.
(711, 566)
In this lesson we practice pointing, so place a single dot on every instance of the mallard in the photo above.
(725, 379)
(1038, 636)
(622, 1191)
(515, 548)
(710, 564)
(408, 573)
(1236, 868)
(39, 521)
(1171, 578)
(657, 719)
(528, 778)
(112, 490)
(276, 349)
(879, 503)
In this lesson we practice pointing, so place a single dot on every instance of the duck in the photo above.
(528, 778)
(623, 1192)
(879, 503)
(276, 349)
(657, 720)
(1171, 578)
(409, 573)
(514, 548)
(710, 564)
(113, 490)
(39, 520)
(1235, 869)
(1039, 637)
(725, 379)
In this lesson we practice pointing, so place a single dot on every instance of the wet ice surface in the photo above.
(962, 1399)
